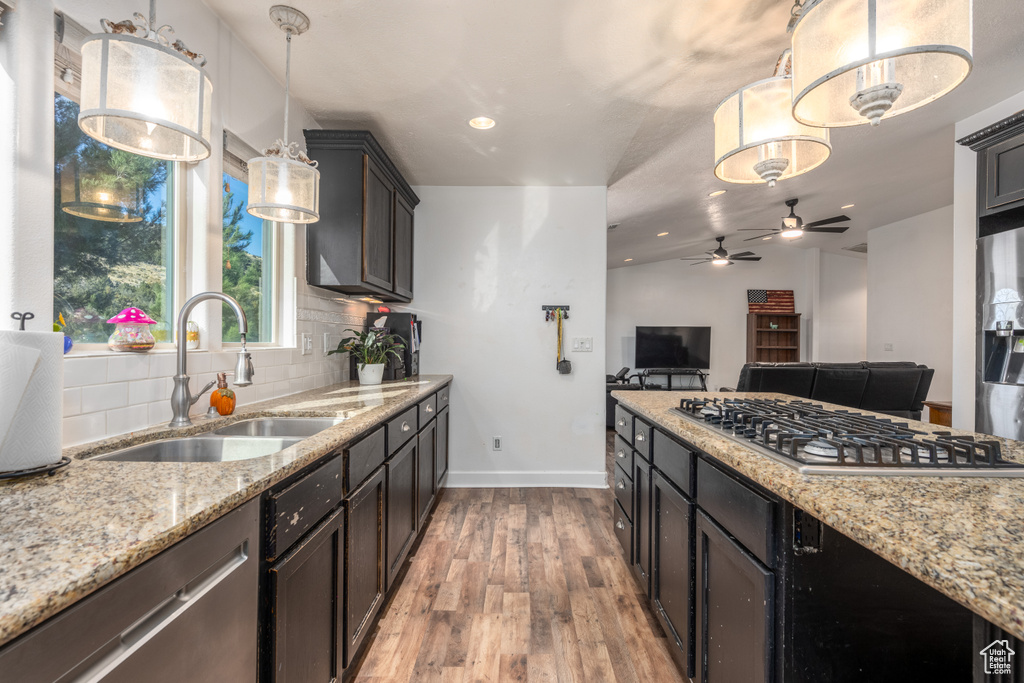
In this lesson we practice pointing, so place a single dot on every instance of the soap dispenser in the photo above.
(223, 399)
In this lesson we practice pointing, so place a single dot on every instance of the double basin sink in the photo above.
(239, 441)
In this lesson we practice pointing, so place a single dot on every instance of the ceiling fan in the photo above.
(793, 226)
(721, 257)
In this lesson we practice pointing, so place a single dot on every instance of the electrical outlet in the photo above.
(887, 347)
(496, 443)
(583, 344)
(307, 343)
(327, 343)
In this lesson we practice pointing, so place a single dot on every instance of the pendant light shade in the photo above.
(284, 184)
(859, 61)
(143, 94)
(98, 194)
(757, 140)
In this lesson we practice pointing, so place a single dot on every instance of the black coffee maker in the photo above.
(406, 327)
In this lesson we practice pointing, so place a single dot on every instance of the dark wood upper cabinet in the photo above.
(362, 243)
(1000, 149)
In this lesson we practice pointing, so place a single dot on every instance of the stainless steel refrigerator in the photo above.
(999, 409)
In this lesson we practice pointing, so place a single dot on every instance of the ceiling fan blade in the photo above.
(694, 258)
(834, 219)
(751, 230)
(746, 258)
(842, 229)
(742, 254)
(699, 263)
(761, 236)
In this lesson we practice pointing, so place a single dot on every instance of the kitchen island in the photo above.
(64, 537)
(963, 537)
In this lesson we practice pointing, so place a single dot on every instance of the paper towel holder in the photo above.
(45, 469)
(22, 318)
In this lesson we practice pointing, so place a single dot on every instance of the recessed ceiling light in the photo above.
(628, 260)
(848, 206)
(482, 122)
(717, 193)
(662, 234)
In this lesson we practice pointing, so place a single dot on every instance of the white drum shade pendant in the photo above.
(98, 194)
(859, 61)
(144, 94)
(284, 184)
(757, 140)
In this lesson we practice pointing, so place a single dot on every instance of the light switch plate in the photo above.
(887, 347)
(583, 344)
(307, 343)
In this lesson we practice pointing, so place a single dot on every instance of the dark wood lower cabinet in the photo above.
(401, 502)
(642, 522)
(672, 581)
(441, 450)
(735, 609)
(426, 485)
(306, 588)
(365, 574)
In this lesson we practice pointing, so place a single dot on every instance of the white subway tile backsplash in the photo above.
(275, 373)
(199, 362)
(124, 420)
(148, 390)
(104, 397)
(163, 365)
(72, 402)
(122, 368)
(84, 428)
(79, 372)
(160, 412)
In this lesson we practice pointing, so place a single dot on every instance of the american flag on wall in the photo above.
(770, 301)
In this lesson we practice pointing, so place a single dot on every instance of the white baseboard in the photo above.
(502, 480)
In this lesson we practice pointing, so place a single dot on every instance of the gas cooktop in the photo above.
(813, 440)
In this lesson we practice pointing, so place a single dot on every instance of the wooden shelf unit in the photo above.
(767, 345)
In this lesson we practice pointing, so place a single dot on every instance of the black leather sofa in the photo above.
(897, 389)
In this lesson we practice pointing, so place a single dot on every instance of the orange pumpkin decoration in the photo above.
(223, 399)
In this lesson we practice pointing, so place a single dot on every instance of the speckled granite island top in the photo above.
(964, 537)
(62, 537)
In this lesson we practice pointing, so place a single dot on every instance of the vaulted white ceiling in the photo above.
(618, 93)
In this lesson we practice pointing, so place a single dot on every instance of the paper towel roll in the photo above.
(31, 399)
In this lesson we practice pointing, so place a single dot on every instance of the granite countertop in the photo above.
(65, 536)
(963, 536)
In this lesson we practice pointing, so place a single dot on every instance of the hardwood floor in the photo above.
(519, 585)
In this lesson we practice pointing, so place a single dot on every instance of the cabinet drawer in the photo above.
(623, 455)
(401, 429)
(676, 462)
(363, 457)
(623, 531)
(642, 438)
(624, 491)
(743, 512)
(428, 409)
(297, 509)
(624, 423)
(442, 397)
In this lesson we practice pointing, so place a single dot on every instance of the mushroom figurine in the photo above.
(132, 331)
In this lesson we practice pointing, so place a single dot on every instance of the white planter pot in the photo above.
(370, 374)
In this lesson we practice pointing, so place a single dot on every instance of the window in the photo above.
(248, 256)
(113, 233)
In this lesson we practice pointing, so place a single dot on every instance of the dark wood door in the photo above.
(403, 247)
(441, 450)
(378, 220)
(672, 583)
(306, 594)
(401, 518)
(365, 575)
(735, 609)
(426, 485)
(642, 522)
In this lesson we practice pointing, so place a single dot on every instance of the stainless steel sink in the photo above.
(285, 427)
(203, 448)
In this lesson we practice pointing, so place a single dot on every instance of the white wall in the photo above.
(909, 294)
(965, 232)
(487, 259)
(842, 314)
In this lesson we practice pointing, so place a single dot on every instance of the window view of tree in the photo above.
(113, 235)
(248, 265)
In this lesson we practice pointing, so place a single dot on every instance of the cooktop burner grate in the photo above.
(815, 440)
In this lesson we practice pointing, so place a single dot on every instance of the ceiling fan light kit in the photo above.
(859, 61)
(757, 140)
(143, 93)
(284, 184)
(721, 256)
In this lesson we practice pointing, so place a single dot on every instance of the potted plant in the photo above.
(371, 350)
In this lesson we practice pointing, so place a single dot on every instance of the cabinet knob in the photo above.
(619, 524)
(620, 454)
(621, 422)
(620, 485)
(429, 409)
(405, 427)
(641, 437)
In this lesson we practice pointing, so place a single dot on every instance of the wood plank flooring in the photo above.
(519, 585)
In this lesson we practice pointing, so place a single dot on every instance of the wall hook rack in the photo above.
(549, 312)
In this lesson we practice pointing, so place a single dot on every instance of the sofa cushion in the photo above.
(794, 380)
(891, 388)
(840, 385)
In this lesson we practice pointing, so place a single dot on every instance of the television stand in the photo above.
(701, 376)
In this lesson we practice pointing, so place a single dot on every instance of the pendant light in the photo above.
(757, 140)
(859, 61)
(284, 184)
(88, 192)
(144, 94)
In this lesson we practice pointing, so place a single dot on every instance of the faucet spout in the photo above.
(181, 396)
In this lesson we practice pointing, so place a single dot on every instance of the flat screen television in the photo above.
(673, 347)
